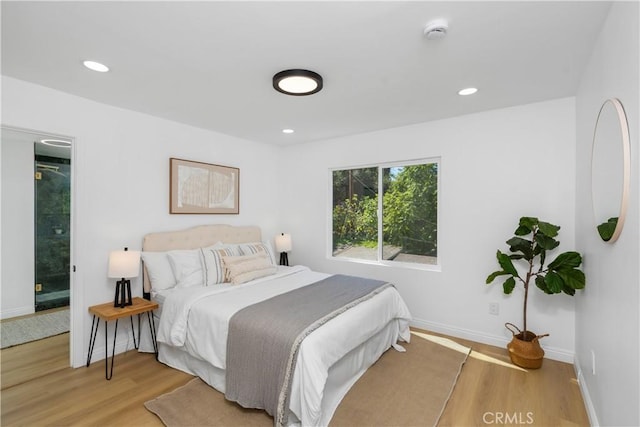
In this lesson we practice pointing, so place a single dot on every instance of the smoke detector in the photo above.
(436, 30)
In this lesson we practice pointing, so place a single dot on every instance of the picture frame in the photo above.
(203, 188)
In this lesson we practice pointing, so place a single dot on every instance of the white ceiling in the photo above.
(210, 64)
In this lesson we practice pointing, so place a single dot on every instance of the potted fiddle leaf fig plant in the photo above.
(532, 241)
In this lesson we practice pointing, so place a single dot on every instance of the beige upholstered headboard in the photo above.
(196, 237)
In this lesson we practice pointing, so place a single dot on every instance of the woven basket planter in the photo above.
(524, 348)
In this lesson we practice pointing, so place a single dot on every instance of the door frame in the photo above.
(75, 291)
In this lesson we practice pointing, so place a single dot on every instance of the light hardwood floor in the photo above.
(39, 389)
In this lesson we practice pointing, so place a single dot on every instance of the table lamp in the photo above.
(123, 265)
(283, 245)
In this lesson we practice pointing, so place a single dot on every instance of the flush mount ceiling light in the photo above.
(297, 82)
(288, 131)
(467, 91)
(96, 66)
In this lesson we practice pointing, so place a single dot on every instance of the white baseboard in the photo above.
(15, 312)
(586, 397)
(552, 353)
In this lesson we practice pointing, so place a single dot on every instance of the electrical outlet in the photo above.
(494, 308)
(38, 287)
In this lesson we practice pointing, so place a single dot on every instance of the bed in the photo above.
(198, 312)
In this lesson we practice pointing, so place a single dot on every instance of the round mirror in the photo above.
(610, 164)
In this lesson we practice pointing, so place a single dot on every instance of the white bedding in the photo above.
(196, 320)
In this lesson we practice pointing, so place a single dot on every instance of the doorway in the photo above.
(37, 230)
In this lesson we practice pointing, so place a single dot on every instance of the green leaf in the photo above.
(508, 285)
(554, 282)
(528, 221)
(546, 242)
(606, 229)
(573, 278)
(569, 291)
(518, 244)
(548, 229)
(537, 250)
(566, 260)
(506, 264)
(543, 257)
(522, 230)
(516, 256)
(540, 283)
(495, 274)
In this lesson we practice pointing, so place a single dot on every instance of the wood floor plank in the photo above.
(80, 397)
(32, 360)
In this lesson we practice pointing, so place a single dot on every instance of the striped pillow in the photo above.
(215, 272)
(254, 248)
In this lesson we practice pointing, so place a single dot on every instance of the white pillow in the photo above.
(248, 267)
(215, 272)
(160, 272)
(188, 267)
(254, 248)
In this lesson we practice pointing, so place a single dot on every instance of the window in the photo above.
(386, 213)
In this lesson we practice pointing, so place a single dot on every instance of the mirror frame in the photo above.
(626, 167)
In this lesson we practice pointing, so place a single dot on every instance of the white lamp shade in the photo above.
(124, 264)
(283, 242)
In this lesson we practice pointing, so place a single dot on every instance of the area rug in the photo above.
(33, 328)
(400, 389)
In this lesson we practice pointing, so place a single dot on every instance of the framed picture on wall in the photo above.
(203, 188)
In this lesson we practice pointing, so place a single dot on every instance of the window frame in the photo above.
(379, 261)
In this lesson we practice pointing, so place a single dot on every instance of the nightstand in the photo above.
(108, 312)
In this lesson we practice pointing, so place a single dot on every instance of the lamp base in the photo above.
(123, 293)
(284, 259)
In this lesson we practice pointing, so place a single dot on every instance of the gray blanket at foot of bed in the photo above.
(264, 338)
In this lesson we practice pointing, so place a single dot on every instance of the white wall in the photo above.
(607, 313)
(496, 167)
(18, 297)
(121, 170)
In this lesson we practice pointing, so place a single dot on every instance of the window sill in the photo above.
(393, 264)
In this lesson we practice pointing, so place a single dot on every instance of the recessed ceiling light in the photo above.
(55, 142)
(287, 131)
(96, 66)
(467, 91)
(297, 82)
